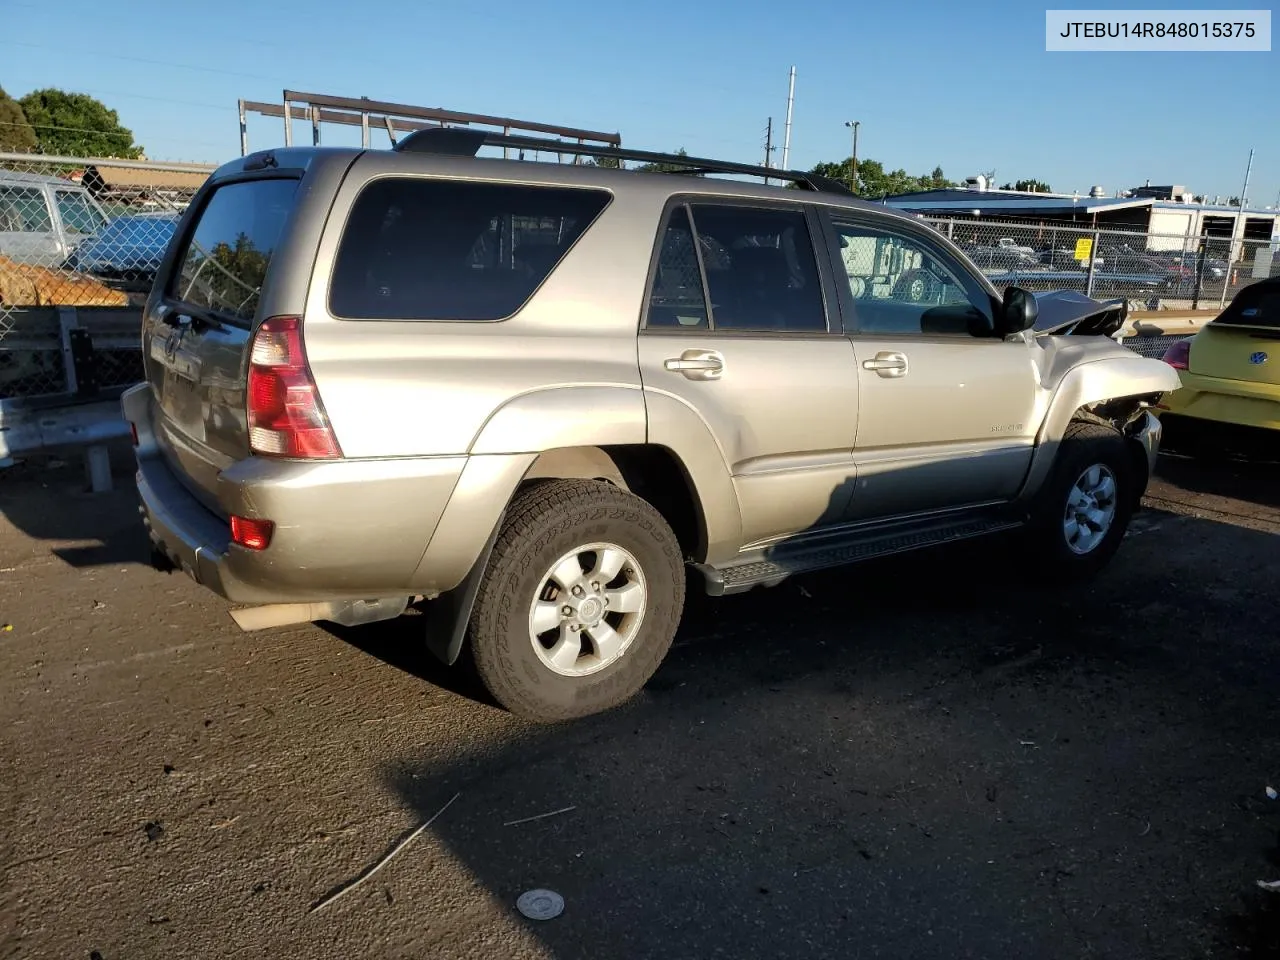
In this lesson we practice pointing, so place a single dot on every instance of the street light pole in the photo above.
(853, 167)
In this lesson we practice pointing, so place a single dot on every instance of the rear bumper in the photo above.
(1240, 402)
(344, 529)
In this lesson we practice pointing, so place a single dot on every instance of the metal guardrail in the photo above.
(92, 355)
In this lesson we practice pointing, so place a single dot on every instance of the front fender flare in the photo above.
(1111, 378)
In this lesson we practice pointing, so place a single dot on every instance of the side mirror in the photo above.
(1018, 312)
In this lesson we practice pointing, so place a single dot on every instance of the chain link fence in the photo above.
(1152, 271)
(80, 241)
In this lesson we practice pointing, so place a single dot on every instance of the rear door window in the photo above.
(224, 262)
(426, 249)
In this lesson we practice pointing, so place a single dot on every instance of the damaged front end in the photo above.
(1068, 313)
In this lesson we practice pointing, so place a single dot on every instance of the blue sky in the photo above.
(947, 83)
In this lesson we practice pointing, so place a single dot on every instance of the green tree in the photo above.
(875, 182)
(666, 167)
(1030, 186)
(77, 125)
(16, 135)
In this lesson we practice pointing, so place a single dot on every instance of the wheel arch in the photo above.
(1115, 391)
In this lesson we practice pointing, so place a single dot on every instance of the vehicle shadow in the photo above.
(48, 500)
(930, 755)
(1254, 481)
(401, 643)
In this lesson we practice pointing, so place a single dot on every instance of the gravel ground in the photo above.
(934, 756)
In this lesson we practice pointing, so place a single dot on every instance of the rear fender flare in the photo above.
(491, 479)
(589, 416)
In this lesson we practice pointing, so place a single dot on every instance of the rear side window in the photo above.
(78, 214)
(421, 249)
(23, 210)
(225, 261)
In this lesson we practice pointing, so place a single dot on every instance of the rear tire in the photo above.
(580, 601)
(1084, 509)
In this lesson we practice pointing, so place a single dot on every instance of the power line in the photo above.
(146, 60)
(107, 133)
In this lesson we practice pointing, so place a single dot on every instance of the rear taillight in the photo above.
(133, 433)
(286, 417)
(1178, 355)
(251, 534)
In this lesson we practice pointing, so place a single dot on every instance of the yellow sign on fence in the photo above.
(1084, 247)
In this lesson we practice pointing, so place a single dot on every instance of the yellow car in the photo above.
(1230, 372)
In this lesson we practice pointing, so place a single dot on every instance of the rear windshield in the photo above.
(422, 249)
(225, 261)
(1257, 305)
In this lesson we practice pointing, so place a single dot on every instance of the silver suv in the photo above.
(530, 398)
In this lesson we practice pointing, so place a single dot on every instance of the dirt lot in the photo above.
(931, 757)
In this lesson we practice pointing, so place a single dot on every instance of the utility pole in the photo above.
(786, 139)
(1238, 225)
(768, 146)
(853, 168)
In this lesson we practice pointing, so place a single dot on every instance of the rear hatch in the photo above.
(1243, 342)
(199, 323)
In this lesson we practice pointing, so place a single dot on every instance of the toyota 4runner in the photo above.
(531, 398)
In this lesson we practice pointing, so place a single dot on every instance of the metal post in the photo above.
(364, 129)
(951, 229)
(506, 151)
(315, 126)
(786, 140)
(67, 321)
(1093, 259)
(1202, 258)
(244, 130)
(1231, 249)
(288, 124)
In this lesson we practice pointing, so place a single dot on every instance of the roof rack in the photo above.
(460, 142)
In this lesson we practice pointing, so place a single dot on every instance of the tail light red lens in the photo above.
(251, 534)
(133, 433)
(286, 417)
(1178, 355)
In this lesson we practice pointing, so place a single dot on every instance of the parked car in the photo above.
(999, 258)
(1064, 258)
(534, 398)
(1008, 243)
(43, 219)
(1230, 369)
(128, 250)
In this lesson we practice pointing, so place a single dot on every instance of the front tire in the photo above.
(1087, 502)
(580, 601)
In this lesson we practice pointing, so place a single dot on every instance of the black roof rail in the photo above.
(460, 142)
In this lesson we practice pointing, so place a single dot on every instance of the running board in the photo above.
(782, 562)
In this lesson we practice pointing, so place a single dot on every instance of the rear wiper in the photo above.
(196, 321)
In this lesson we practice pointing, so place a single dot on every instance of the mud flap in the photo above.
(447, 615)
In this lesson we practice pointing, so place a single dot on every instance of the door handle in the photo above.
(887, 363)
(696, 364)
